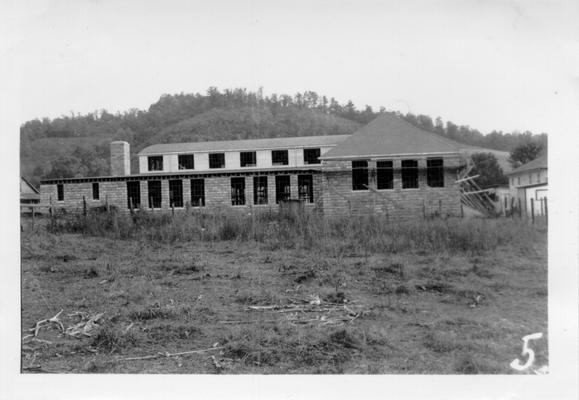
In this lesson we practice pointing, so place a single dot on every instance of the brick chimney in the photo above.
(120, 158)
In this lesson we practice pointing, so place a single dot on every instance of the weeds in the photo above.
(469, 365)
(328, 351)
(448, 308)
(440, 343)
(396, 269)
(110, 340)
(158, 312)
(354, 234)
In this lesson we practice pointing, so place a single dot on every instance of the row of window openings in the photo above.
(408, 172)
(530, 179)
(238, 198)
(282, 190)
(246, 159)
(360, 172)
(384, 180)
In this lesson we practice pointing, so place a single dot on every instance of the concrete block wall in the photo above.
(113, 193)
(217, 193)
(397, 203)
(333, 194)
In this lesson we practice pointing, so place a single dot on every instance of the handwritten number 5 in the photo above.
(516, 364)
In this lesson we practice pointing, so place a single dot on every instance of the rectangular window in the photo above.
(247, 159)
(133, 194)
(282, 188)
(306, 188)
(176, 193)
(95, 191)
(186, 161)
(279, 157)
(359, 175)
(435, 172)
(60, 192)
(541, 194)
(409, 174)
(311, 156)
(155, 163)
(237, 191)
(197, 192)
(155, 197)
(384, 175)
(260, 190)
(217, 160)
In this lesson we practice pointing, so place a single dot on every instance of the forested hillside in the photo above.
(77, 145)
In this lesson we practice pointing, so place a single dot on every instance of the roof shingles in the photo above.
(389, 135)
(538, 163)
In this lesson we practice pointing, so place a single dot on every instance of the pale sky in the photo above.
(505, 65)
(490, 64)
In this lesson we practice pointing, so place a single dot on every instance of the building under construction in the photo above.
(387, 167)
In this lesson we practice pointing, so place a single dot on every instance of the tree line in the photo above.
(229, 111)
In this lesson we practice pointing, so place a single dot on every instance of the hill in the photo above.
(77, 145)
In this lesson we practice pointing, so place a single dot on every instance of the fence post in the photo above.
(504, 207)
(546, 212)
(50, 206)
(424, 208)
(107, 203)
(532, 211)
(461, 210)
(84, 206)
(520, 209)
(512, 207)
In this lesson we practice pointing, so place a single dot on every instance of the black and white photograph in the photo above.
(289, 193)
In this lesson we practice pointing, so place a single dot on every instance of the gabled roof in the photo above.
(27, 191)
(242, 145)
(389, 135)
(537, 163)
(26, 187)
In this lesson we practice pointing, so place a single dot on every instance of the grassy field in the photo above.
(275, 294)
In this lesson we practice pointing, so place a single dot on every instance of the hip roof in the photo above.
(389, 135)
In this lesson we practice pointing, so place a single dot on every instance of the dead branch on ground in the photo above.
(54, 320)
(85, 327)
(152, 356)
(335, 314)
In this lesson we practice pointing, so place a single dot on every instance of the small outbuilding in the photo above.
(28, 193)
(529, 187)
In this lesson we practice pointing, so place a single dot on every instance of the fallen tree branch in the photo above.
(248, 321)
(150, 357)
(84, 328)
(55, 320)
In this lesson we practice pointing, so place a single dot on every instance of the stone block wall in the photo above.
(333, 194)
(397, 203)
(217, 193)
